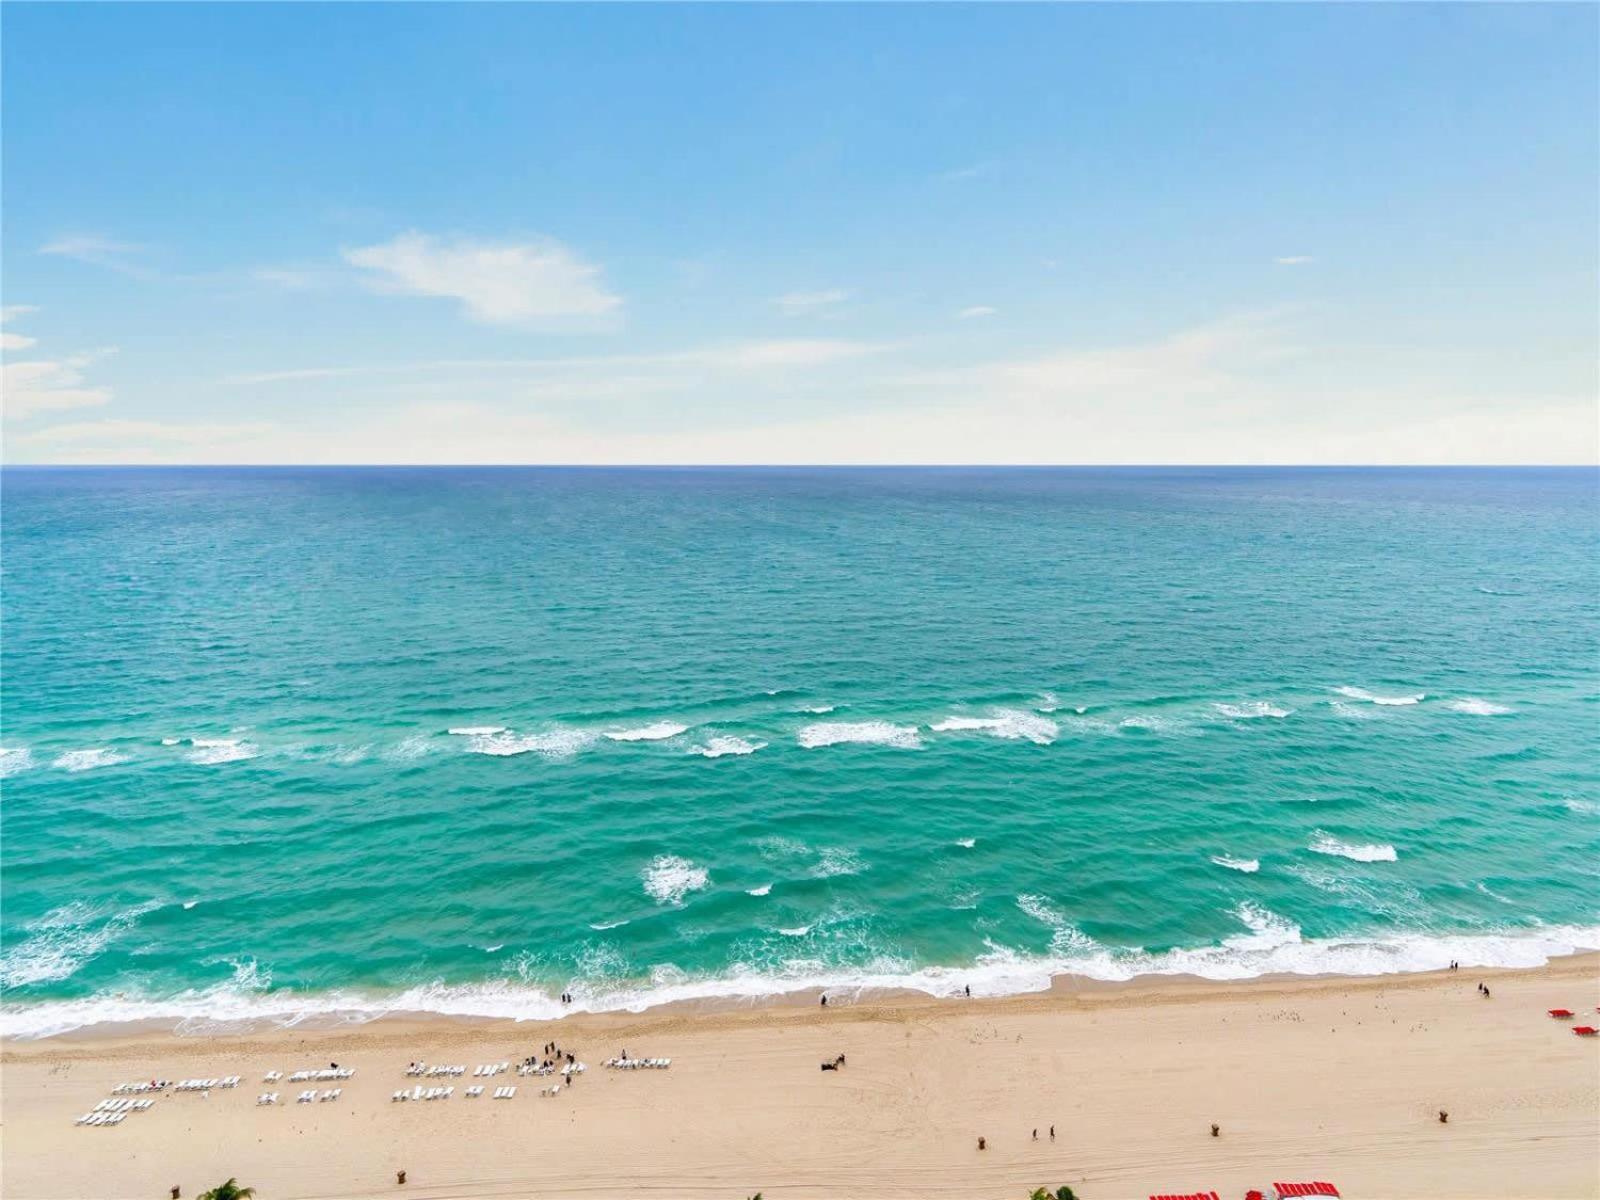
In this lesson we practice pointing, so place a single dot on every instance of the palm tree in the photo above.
(228, 1191)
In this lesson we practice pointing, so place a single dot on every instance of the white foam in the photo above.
(833, 861)
(1154, 723)
(1355, 693)
(759, 891)
(1005, 723)
(1477, 707)
(1047, 703)
(172, 741)
(57, 944)
(1350, 712)
(1587, 808)
(476, 730)
(669, 878)
(494, 949)
(819, 709)
(602, 926)
(654, 732)
(1269, 945)
(88, 760)
(1250, 710)
(14, 760)
(873, 733)
(413, 747)
(1040, 910)
(797, 931)
(552, 743)
(720, 745)
(213, 751)
(1326, 843)
(188, 904)
(967, 843)
(1248, 865)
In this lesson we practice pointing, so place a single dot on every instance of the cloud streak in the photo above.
(497, 283)
(799, 304)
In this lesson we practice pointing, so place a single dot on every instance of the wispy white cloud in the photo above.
(98, 250)
(744, 356)
(797, 304)
(977, 310)
(119, 432)
(42, 386)
(15, 341)
(501, 283)
(1294, 260)
(970, 171)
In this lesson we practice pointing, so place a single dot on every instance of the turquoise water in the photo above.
(739, 732)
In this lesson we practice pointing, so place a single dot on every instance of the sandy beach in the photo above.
(1335, 1079)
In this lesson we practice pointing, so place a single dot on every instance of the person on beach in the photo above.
(1052, 1133)
(824, 1000)
(1036, 1135)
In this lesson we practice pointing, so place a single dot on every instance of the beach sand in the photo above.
(1327, 1079)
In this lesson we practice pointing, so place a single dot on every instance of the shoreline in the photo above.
(1329, 1077)
(306, 1012)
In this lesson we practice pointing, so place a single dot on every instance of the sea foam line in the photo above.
(1007, 723)
(1355, 693)
(1326, 843)
(1267, 944)
(872, 733)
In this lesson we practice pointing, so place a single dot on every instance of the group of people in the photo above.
(554, 1056)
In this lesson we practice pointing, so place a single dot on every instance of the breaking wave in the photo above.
(668, 879)
(1355, 693)
(654, 732)
(1326, 843)
(1248, 865)
(1249, 710)
(554, 743)
(1006, 723)
(88, 760)
(1477, 707)
(871, 733)
(722, 744)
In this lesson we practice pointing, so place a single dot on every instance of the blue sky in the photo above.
(891, 233)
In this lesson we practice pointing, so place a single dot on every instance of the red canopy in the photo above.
(1186, 1196)
(1305, 1189)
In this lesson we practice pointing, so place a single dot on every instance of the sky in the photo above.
(887, 233)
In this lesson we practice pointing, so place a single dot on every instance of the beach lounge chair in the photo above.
(1318, 1188)
(1561, 1014)
(1585, 1030)
(472, 1093)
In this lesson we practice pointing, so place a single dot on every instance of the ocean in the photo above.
(290, 743)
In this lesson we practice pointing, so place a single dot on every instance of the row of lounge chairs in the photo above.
(308, 1076)
(205, 1085)
(639, 1064)
(111, 1112)
(101, 1118)
(152, 1085)
(434, 1072)
(491, 1069)
(308, 1097)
